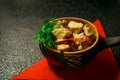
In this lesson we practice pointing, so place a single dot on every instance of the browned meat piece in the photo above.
(63, 47)
(88, 31)
(61, 33)
(75, 26)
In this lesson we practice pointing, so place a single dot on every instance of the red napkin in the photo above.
(102, 67)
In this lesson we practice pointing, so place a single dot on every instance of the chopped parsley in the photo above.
(44, 34)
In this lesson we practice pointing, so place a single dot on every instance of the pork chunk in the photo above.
(75, 26)
(63, 47)
(61, 33)
(88, 31)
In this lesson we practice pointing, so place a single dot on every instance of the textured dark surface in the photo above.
(20, 19)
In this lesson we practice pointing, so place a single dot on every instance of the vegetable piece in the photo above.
(81, 39)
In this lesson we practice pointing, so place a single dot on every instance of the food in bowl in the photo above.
(73, 36)
(66, 35)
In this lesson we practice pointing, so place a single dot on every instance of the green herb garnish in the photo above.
(44, 34)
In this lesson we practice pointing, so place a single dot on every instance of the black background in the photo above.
(20, 19)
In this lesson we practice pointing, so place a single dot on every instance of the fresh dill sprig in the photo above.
(44, 34)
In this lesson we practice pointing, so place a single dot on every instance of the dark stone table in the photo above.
(20, 19)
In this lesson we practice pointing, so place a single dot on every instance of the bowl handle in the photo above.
(111, 41)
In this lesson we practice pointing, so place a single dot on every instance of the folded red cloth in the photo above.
(102, 67)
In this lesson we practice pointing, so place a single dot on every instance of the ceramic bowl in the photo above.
(77, 58)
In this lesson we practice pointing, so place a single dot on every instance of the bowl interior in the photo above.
(78, 20)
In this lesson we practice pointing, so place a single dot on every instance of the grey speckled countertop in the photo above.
(20, 19)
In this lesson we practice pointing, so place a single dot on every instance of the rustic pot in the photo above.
(78, 58)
